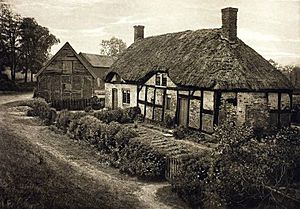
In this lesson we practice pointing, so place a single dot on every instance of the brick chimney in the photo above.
(138, 32)
(229, 24)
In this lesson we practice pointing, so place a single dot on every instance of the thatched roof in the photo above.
(99, 64)
(201, 59)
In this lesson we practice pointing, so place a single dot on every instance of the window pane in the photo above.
(124, 96)
(164, 80)
(168, 105)
(128, 97)
(157, 80)
(67, 67)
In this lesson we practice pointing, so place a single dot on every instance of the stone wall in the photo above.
(256, 109)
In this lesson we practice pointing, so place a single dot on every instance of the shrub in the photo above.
(97, 103)
(87, 128)
(63, 120)
(127, 115)
(143, 161)
(190, 182)
(88, 109)
(169, 121)
(41, 109)
(180, 132)
(243, 171)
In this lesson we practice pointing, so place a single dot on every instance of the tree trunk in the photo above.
(31, 76)
(26, 75)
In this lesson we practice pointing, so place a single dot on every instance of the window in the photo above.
(168, 102)
(164, 80)
(126, 96)
(67, 87)
(67, 67)
(157, 79)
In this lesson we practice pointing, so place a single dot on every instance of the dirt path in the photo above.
(82, 158)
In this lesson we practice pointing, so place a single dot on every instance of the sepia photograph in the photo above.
(149, 104)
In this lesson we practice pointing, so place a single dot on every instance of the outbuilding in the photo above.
(68, 75)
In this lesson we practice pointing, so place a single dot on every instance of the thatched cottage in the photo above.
(199, 78)
(68, 75)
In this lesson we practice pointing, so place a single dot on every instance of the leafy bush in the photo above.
(180, 132)
(190, 182)
(243, 170)
(6, 84)
(41, 109)
(127, 115)
(141, 160)
(63, 120)
(169, 121)
(88, 109)
(97, 103)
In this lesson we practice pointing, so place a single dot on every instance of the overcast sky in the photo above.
(271, 27)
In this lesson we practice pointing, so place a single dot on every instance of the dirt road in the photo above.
(87, 183)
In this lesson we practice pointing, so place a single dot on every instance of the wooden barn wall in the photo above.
(65, 78)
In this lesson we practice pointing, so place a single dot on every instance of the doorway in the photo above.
(183, 111)
(114, 98)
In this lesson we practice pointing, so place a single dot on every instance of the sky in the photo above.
(271, 27)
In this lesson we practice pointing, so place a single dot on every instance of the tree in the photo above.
(10, 23)
(285, 69)
(112, 47)
(35, 44)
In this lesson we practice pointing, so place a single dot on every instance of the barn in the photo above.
(199, 79)
(68, 75)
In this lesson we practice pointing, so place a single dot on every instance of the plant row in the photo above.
(104, 130)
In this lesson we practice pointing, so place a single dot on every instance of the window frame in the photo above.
(126, 96)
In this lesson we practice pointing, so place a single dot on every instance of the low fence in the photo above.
(172, 166)
(78, 104)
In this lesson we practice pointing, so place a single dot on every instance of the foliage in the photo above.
(180, 132)
(41, 109)
(24, 44)
(63, 120)
(115, 139)
(190, 182)
(244, 171)
(169, 121)
(142, 160)
(35, 42)
(127, 115)
(112, 47)
(97, 103)
(6, 84)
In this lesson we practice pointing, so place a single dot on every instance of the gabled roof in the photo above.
(67, 46)
(99, 64)
(97, 60)
(202, 59)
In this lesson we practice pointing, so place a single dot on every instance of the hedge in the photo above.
(118, 141)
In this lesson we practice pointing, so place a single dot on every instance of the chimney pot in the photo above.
(138, 32)
(229, 23)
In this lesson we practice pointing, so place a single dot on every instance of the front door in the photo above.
(183, 111)
(114, 98)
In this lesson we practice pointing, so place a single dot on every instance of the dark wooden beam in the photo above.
(153, 111)
(217, 105)
(145, 110)
(201, 110)
(164, 105)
